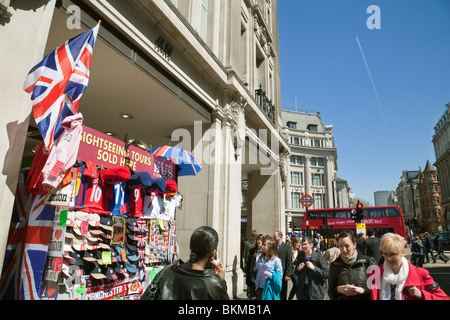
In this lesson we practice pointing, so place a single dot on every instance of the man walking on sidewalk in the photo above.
(284, 252)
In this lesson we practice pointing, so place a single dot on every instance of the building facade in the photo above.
(200, 74)
(312, 163)
(384, 198)
(441, 142)
(344, 196)
(408, 200)
(430, 199)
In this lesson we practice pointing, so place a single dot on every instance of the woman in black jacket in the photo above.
(348, 273)
(311, 269)
(202, 277)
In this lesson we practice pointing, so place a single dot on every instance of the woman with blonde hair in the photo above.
(399, 279)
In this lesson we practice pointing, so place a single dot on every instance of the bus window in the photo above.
(392, 212)
(341, 215)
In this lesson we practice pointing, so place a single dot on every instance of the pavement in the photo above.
(439, 268)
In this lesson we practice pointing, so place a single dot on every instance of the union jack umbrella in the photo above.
(57, 83)
(26, 250)
(188, 163)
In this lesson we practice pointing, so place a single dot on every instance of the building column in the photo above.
(308, 188)
(213, 197)
(23, 38)
(331, 185)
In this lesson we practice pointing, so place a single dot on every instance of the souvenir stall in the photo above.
(112, 216)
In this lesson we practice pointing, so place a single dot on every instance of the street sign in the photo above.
(360, 228)
(306, 201)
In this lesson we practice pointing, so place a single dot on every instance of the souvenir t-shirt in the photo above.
(136, 203)
(153, 206)
(76, 201)
(118, 204)
(94, 201)
(170, 204)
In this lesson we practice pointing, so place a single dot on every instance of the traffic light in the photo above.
(290, 224)
(359, 212)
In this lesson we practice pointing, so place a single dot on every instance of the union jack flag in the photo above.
(57, 83)
(142, 226)
(27, 246)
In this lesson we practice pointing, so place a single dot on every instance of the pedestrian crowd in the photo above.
(352, 267)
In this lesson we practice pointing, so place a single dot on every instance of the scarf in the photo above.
(352, 259)
(389, 278)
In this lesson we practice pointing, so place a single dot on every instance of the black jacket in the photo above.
(284, 252)
(373, 248)
(356, 274)
(317, 285)
(181, 283)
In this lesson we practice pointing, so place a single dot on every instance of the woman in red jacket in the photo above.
(398, 279)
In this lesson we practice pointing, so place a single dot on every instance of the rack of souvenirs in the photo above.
(113, 230)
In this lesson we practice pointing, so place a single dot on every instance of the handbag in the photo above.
(152, 291)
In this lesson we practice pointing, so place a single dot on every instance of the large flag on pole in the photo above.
(26, 250)
(57, 83)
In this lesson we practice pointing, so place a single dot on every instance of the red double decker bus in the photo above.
(329, 222)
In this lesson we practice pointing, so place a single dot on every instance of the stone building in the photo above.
(312, 163)
(430, 199)
(408, 200)
(441, 142)
(201, 74)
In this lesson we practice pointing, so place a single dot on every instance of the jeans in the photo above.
(432, 255)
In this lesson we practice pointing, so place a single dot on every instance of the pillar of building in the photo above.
(23, 38)
(213, 197)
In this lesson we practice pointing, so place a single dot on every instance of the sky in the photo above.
(383, 88)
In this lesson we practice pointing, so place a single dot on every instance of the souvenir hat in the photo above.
(115, 175)
(132, 225)
(106, 223)
(65, 271)
(93, 219)
(120, 268)
(139, 180)
(105, 237)
(131, 267)
(131, 256)
(70, 218)
(142, 226)
(159, 183)
(68, 259)
(89, 256)
(69, 233)
(91, 245)
(78, 243)
(120, 253)
(110, 274)
(97, 272)
(76, 256)
(90, 170)
(171, 186)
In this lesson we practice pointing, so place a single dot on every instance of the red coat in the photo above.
(418, 277)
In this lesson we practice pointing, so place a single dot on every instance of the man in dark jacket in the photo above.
(284, 252)
(373, 246)
(429, 247)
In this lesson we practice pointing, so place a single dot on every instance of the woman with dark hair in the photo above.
(347, 279)
(200, 278)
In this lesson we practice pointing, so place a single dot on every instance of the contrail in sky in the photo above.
(375, 90)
